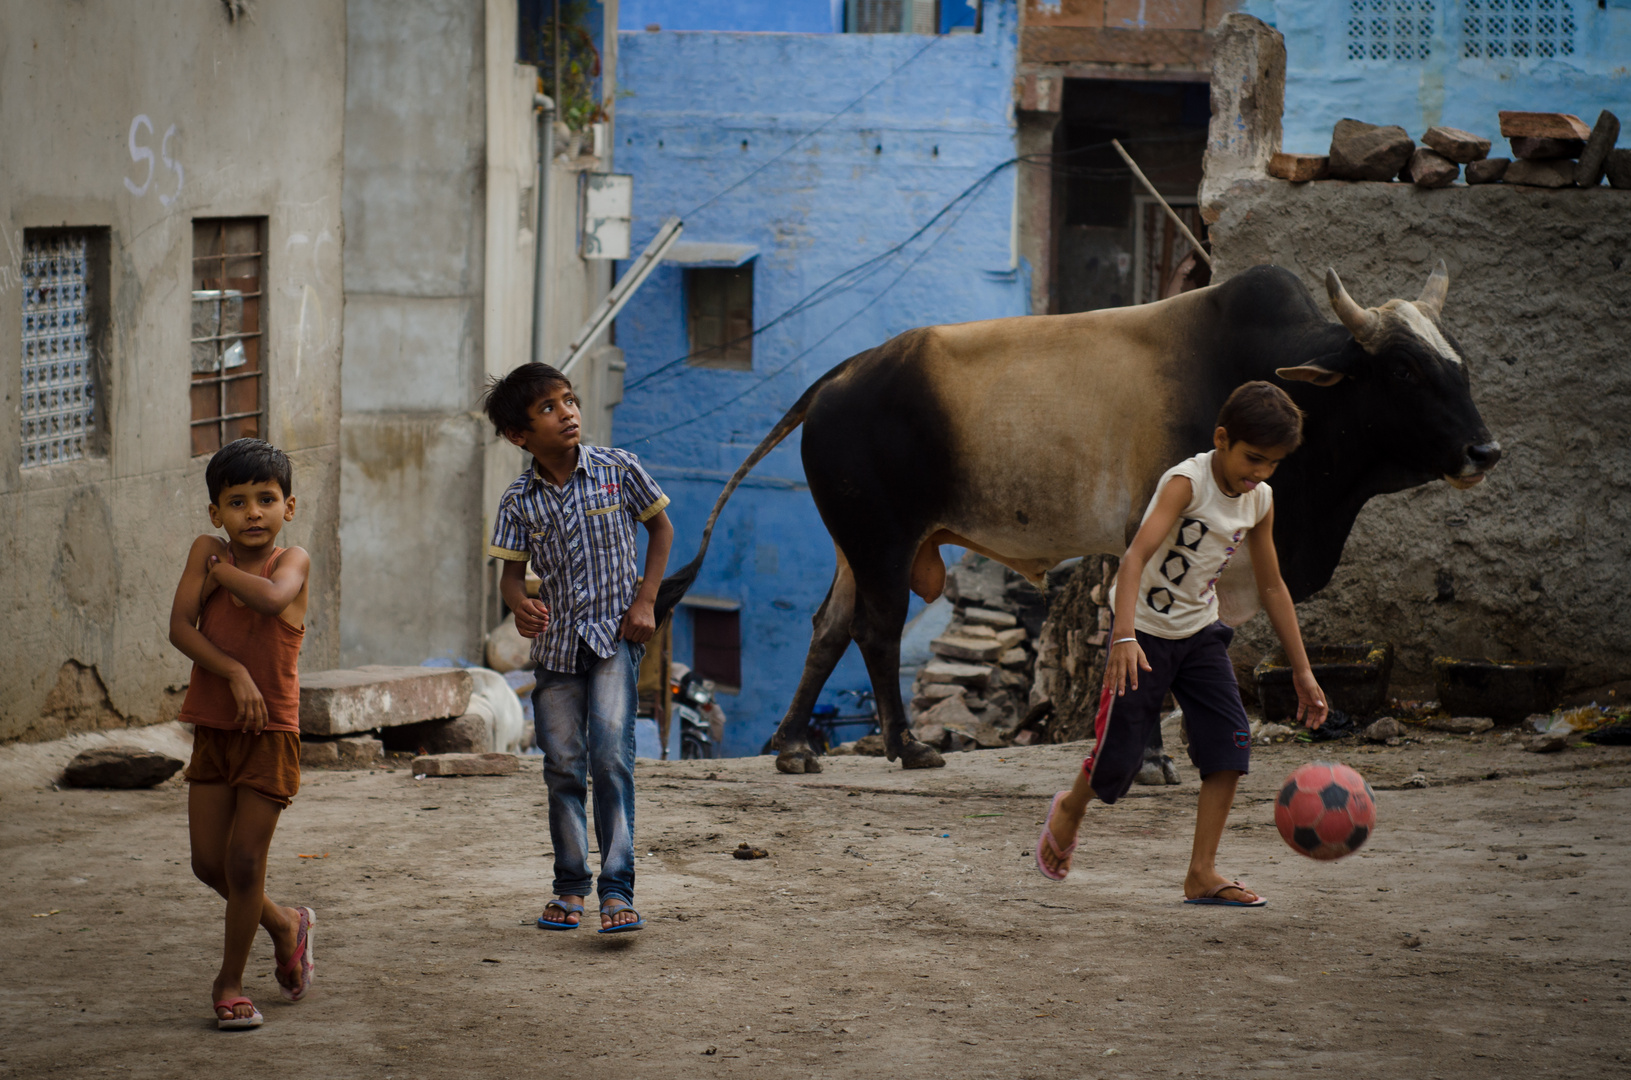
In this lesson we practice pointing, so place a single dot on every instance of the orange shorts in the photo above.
(268, 764)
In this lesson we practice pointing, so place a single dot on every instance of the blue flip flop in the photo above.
(621, 928)
(1210, 897)
(565, 909)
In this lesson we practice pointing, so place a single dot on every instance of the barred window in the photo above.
(228, 386)
(1390, 29)
(1517, 29)
(64, 312)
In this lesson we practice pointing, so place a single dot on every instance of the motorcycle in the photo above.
(691, 700)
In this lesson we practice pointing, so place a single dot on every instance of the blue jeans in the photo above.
(585, 726)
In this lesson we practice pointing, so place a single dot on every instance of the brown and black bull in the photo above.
(1035, 439)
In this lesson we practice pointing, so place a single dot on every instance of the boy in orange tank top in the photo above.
(239, 614)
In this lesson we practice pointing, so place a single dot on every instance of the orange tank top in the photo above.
(265, 644)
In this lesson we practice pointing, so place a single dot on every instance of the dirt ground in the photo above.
(897, 929)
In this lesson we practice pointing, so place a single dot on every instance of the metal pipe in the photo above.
(540, 231)
(1176, 220)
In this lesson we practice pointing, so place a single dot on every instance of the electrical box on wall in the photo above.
(608, 208)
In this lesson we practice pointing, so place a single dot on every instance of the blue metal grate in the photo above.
(59, 384)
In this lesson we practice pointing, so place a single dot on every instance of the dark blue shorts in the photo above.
(1197, 671)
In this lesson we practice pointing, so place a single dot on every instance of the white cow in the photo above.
(492, 699)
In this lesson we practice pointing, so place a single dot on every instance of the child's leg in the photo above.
(558, 709)
(1211, 814)
(1065, 820)
(612, 702)
(231, 831)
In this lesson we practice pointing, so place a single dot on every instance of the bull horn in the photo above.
(1431, 301)
(1360, 322)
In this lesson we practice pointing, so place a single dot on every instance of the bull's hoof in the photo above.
(919, 755)
(797, 761)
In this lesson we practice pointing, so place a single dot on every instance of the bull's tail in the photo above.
(676, 584)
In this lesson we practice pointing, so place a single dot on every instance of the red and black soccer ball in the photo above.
(1325, 810)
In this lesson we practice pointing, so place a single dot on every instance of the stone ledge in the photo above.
(344, 701)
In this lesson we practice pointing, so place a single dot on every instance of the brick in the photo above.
(1431, 169)
(1528, 149)
(978, 616)
(1543, 125)
(944, 671)
(966, 648)
(1077, 13)
(1145, 15)
(349, 700)
(466, 765)
(1361, 151)
(1588, 171)
(1487, 171)
(1550, 174)
(1300, 168)
(1456, 145)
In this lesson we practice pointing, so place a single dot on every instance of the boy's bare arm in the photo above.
(185, 635)
(266, 595)
(1126, 658)
(640, 622)
(1276, 598)
(531, 615)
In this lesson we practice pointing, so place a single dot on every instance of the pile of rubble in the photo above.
(1552, 150)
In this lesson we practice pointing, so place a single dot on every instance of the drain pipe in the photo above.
(546, 154)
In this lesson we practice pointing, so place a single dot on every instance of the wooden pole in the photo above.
(1176, 220)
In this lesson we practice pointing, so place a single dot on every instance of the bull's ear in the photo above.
(1310, 372)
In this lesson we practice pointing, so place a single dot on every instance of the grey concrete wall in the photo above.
(90, 551)
(1532, 563)
(415, 218)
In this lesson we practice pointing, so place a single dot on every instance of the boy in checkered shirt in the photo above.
(572, 515)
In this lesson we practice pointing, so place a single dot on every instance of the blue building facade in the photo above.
(879, 165)
(1454, 62)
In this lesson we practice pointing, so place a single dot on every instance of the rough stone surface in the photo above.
(348, 700)
(978, 616)
(1464, 573)
(1588, 171)
(1543, 125)
(466, 765)
(1299, 168)
(1382, 730)
(1462, 147)
(1008, 639)
(360, 752)
(944, 671)
(1549, 742)
(1540, 149)
(120, 767)
(1248, 101)
(467, 734)
(1461, 725)
(1618, 168)
(966, 648)
(1487, 171)
(319, 754)
(1014, 658)
(1549, 174)
(1430, 169)
(1361, 151)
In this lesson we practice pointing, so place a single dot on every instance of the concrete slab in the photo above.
(344, 701)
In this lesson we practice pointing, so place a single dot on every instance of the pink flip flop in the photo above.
(294, 975)
(1048, 838)
(238, 1023)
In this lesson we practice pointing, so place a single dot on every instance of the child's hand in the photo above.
(531, 618)
(251, 706)
(639, 622)
(1126, 659)
(1311, 707)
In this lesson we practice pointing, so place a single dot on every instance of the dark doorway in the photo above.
(1115, 244)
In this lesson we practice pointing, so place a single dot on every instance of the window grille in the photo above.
(1390, 29)
(1517, 29)
(227, 392)
(892, 16)
(58, 404)
(720, 314)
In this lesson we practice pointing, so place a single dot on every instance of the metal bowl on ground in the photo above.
(1506, 691)
(1354, 676)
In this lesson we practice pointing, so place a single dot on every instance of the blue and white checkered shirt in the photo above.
(580, 538)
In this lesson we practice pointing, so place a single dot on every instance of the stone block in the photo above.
(1541, 149)
(944, 671)
(1361, 151)
(349, 700)
(120, 767)
(978, 616)
(1461, 725)
(1488, 170)
(1300, 168)
(468, 734)
(953, 716)
(1431, 169)
(1548, 174)
(1248, 67)
(1543, 125)
(1010, 639)
(1588, 171)
(359, 752)
(466, 765)
(966, 648)
(1382, 730)
(1014, 658)
(984, 633)
(1462, 147)
(319, 754)
(1618, 168)
(934, 692)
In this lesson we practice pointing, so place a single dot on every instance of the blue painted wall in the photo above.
(779, 16)
(706, 109)
(1323, 85)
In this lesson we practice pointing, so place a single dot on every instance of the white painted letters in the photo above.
(140, 153)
